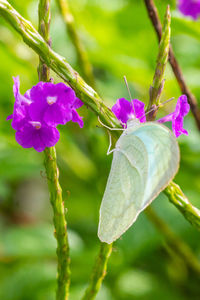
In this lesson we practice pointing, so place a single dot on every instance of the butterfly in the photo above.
(146, 158)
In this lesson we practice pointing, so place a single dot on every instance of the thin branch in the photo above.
(99, 272)
(153, 15)
(44, 19)
(65, 71)
(162, 58)
(63, 279)
(79, 47)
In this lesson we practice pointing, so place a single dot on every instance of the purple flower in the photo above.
(40, 110)
(75, 116)
(19, 116)
(37, 135)
(52, 102)
(125, 110)
(189, 8)
(177, 117)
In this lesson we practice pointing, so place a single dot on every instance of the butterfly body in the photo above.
(145, 160)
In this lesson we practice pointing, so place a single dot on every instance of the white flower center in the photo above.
(131, 116)
(51, 100)
(35, 124)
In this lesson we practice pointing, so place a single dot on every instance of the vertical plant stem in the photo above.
(162, 58)
(79, 47)
(52, 172)
(99, 272)
(154, 17)
(63, 276)
(180, 247)
(44, 19)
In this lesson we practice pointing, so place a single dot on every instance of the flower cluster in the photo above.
(37, 113)
(125, 110)
(189, 8)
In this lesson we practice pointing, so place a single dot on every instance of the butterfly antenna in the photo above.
(156, 107)
(163, 103)
(129, 92)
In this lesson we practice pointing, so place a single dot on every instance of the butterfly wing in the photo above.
(163, 158)
(124, 189)
(145, 161)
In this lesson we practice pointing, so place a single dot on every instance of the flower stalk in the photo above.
(63, 277)
(52, 172)
(44, 19)
(162, 58)
(99, 272)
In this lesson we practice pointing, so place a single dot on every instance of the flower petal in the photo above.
(36, 93)
(177, 117)
(52, 103)
(55, 114)
(123, 110)
(77, 103)
(76, 118)
(39, 139)
(47, 137)
(64, 94)
(10, 117)
(24, 137)
(139, 110)
(167, 118)
(20, 113)
(189, 8)
(182, 106)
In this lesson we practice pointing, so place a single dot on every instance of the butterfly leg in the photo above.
(110, 128)
(110, 144)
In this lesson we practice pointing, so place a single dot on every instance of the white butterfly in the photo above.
(145, 160)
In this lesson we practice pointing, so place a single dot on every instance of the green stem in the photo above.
(79, 47)
(177, 198)
(162, 58)
(64, 70)
(63, 278)
(44, 19)
(99, 272)
(180, 247)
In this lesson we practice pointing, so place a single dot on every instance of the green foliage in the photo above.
(120, 41)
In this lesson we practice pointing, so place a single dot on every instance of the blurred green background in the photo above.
(120, 41)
